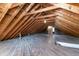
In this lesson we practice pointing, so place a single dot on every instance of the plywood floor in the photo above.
(34, 45)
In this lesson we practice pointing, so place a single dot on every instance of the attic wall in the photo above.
(67, 22)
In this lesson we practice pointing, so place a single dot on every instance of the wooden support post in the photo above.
(20, 36)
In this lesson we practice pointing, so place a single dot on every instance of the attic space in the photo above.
(39, 29)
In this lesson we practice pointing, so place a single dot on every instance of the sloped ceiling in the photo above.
(25, 18)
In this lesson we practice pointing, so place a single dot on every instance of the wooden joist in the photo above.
(30, 24)
(9, 18)
(46, 16)
(25, 21)
(68, 13)
(3, 9)
(43, 10)
(69, 7)
(20, 24)
(34, 27)
(29, 18)
(15, 5)
(24, 25)
(69, 18)
(17, 20)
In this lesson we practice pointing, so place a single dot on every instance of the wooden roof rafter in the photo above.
(15, 5)
(70, 7)
(43, 10)
(23, 21)
(4, 10)
(21, 16)
(8, 18)
(46, 16)
(31, 23)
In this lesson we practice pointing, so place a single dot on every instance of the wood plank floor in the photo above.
(34, 45)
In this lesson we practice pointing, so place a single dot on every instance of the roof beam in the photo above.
(17, 20)
(31, 23)
(9, 18)
(46, 16)
(24, 21)
(15, 5)
(69, 7)
(34, 27)
(4, 10)
(24, 25)
(43, 10)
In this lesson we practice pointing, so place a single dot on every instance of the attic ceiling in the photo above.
(25, 18)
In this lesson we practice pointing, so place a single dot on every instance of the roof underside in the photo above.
(25, 18)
